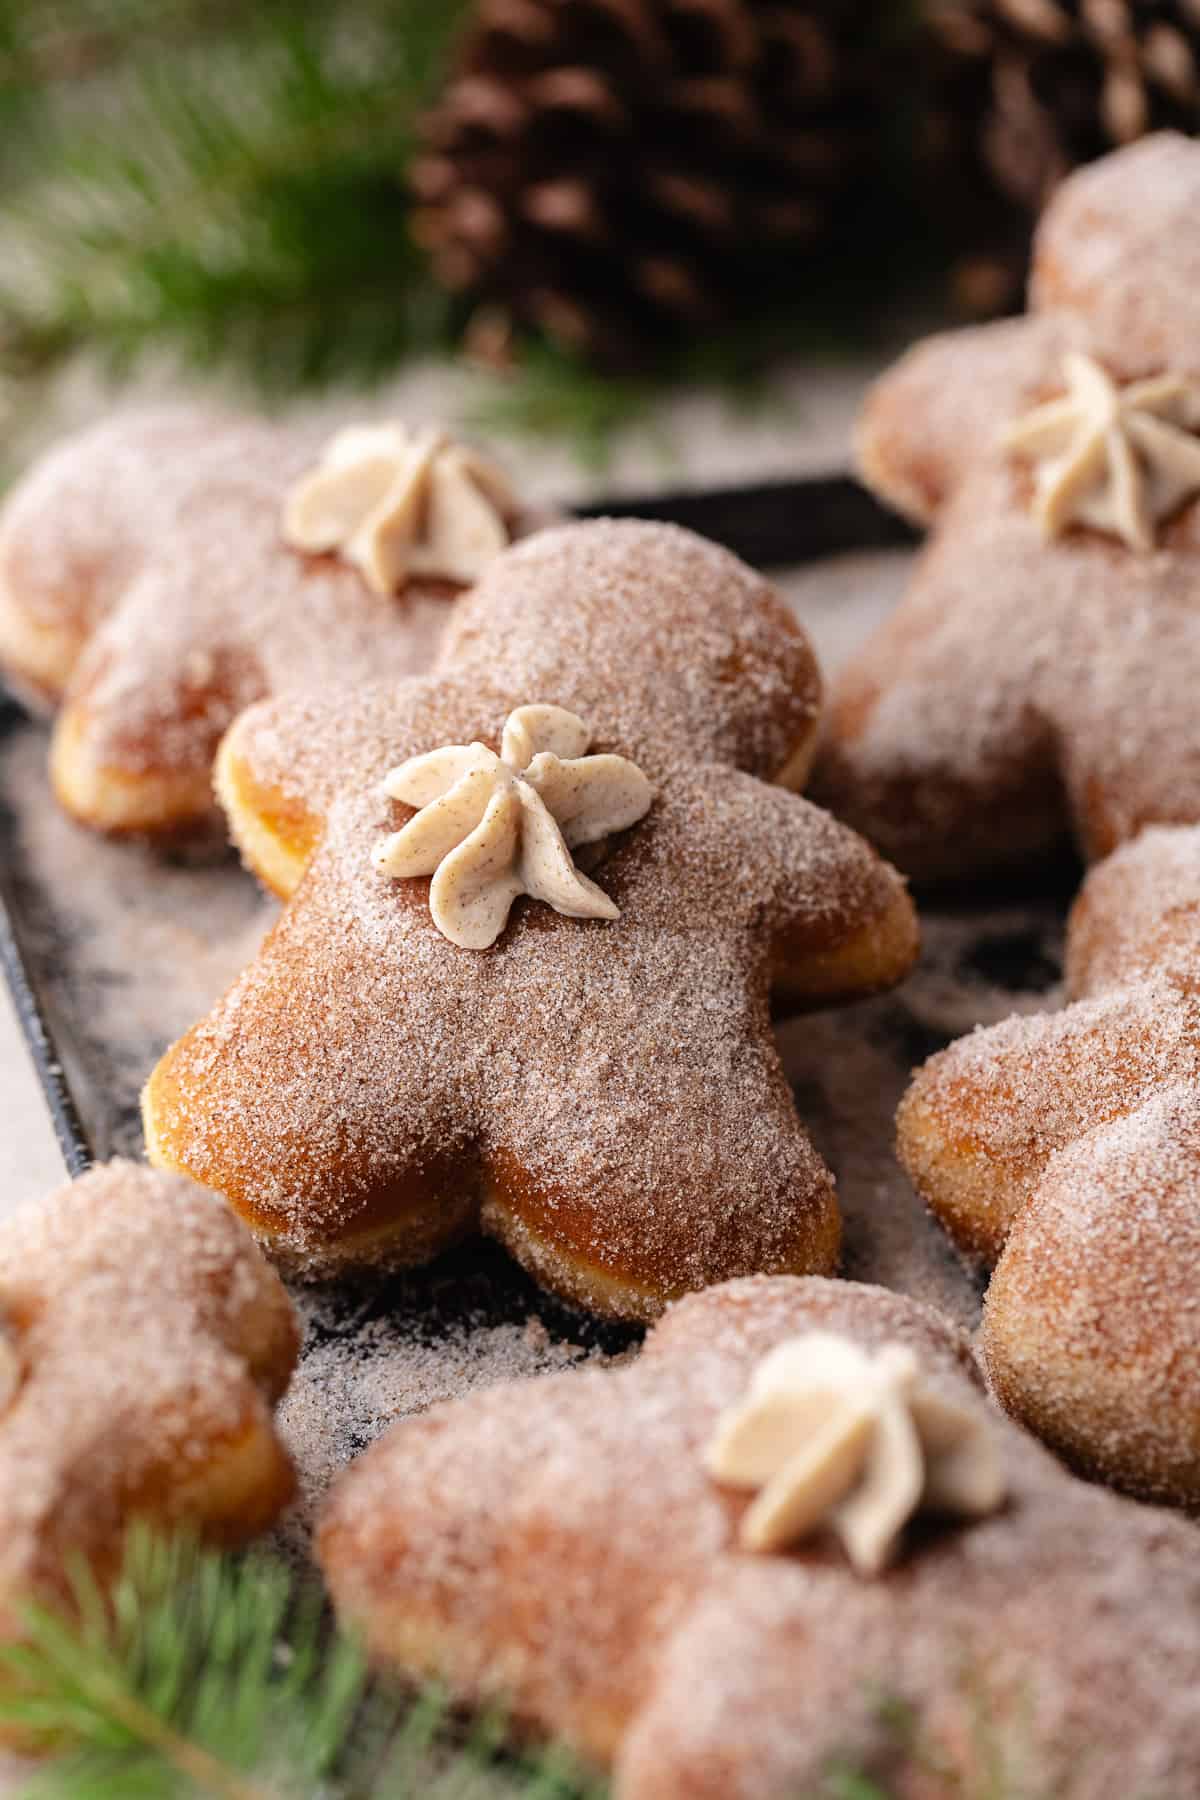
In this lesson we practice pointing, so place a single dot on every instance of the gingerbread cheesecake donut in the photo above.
(1038, 679)
(161, 571)
(1065, 1150)
(537, 906)
(144, 1342)
(793, 1539)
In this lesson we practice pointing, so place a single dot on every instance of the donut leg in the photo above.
(36, 655)
(136, 756)
(921, 426)
(300, 1112)
(849, 926)
(1137, 916)
(982, 1119)
(1126, 765)
(662, 1183)
(934, 748)
(495, 1466)
(1090, 1327)
(731, 1747)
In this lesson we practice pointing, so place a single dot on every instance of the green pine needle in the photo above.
(246, 200)
(222, 1677)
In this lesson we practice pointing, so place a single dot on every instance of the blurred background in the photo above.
(627, 232)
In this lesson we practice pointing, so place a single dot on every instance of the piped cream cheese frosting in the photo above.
(400, 503)
(831, 1436)
(490, 827)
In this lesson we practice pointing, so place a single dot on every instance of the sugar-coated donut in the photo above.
(147, 595)
(557, 1548)
(1039, 677)
(1065, 1149)
(143, 1344)
(605, 1096)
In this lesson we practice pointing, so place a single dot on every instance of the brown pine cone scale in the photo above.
(1037, 87)
(616, 172)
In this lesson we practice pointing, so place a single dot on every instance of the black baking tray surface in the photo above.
(110, 952)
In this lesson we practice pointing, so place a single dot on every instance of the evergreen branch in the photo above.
(204, 1675)
(247, 201)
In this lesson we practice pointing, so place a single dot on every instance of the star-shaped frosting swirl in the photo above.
(832, 1436)
(490, 828)
(1120, 458)
(400, 504)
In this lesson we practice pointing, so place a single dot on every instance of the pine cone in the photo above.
(619, 173)
(1037, 87)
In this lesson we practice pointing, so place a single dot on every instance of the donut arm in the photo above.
(578, 1641)
(1137, 916)
(1090, 1324)
(928, 420)
(276, 791)
(843, 925)
(381, 1161)
(982, 1119)
(275, 799)
(64, 565)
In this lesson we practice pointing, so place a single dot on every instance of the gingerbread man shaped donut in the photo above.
(588, 1552)
(1040, 676)
(161, 571)
(144, 1341)
(538, 905)
(1065, 1149)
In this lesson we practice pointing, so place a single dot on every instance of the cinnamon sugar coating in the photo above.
(150, 1342)
(557, 1546)
(605, 1097)
(1027, 689)
(1065, 1148)
(145, 589)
